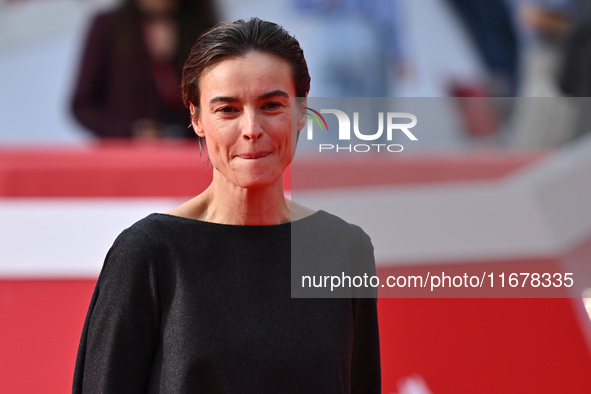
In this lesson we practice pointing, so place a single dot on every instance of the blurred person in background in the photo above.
(129, 78)
(490, 25)
(362, 51)
(543, 118)
(545, 24)
(574, 76)
(490, 28)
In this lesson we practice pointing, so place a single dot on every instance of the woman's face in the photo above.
(246, 118)
(157, 6)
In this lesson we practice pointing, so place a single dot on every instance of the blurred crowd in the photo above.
(121, 63)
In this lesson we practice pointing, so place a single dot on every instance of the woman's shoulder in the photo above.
(331, 221)
(146, 235)
(154, 223)
(149, 242)
(133, 255)
(301, 213)
(327, 226)
(155, 229)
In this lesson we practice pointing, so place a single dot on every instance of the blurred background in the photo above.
(93, 137)
(81, 60)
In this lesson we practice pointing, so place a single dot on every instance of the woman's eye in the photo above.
(272, 105)
(227, 110)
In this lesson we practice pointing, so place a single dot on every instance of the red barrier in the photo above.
(127, 169)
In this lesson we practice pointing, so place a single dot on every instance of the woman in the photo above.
(129, 76)
(198, 299)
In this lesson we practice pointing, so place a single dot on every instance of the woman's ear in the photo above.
(196, 121)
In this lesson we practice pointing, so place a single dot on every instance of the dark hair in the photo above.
(238, 38)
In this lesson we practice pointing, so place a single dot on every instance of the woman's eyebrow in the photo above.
(274, 93)
(224, 99)
(227, 99)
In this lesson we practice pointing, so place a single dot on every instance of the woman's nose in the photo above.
(251, 128)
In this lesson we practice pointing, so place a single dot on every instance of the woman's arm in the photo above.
(121, 331)
(365, 364)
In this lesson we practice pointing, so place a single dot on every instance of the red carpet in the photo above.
(458, 345)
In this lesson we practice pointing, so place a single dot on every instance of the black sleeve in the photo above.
(121, 331)
(365, 364)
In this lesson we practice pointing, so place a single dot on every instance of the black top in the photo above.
(186, 306)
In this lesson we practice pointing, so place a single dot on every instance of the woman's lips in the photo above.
(252, 156)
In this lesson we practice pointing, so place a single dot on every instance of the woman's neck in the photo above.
(226, 203)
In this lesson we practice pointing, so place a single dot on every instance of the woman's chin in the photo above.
(257, 173)
(258, 182)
